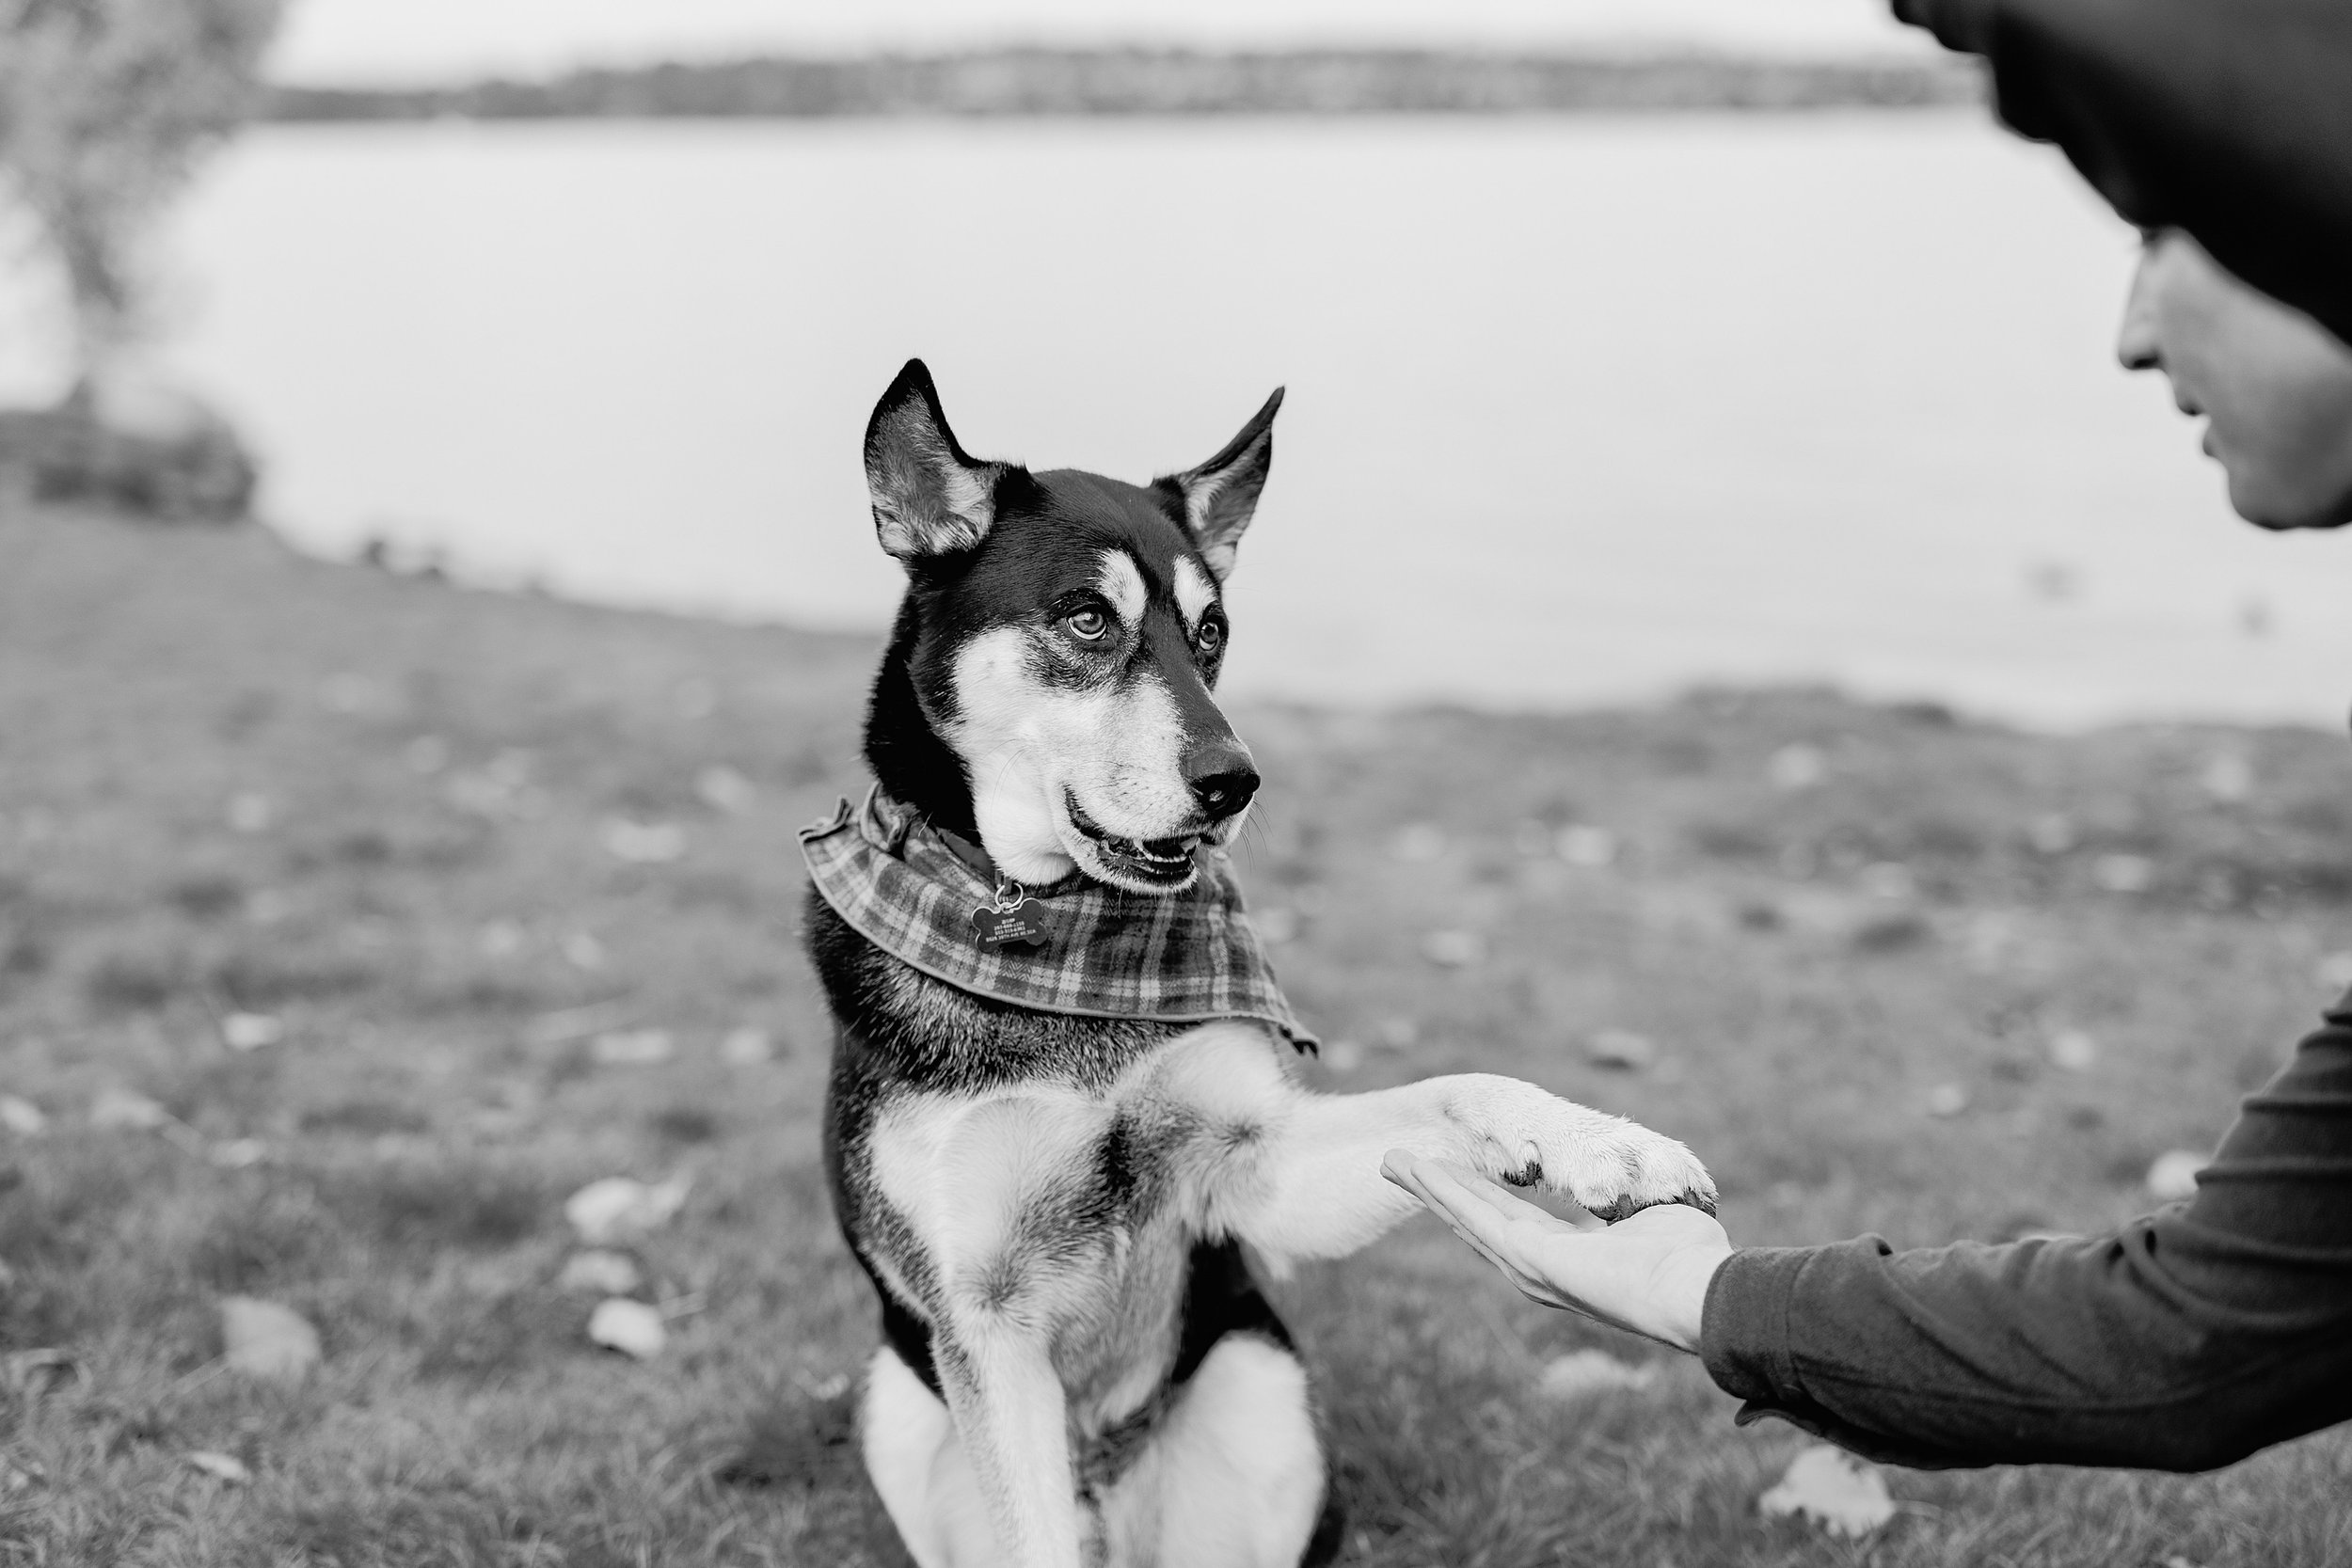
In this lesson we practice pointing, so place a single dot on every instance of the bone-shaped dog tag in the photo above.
(1020, 924)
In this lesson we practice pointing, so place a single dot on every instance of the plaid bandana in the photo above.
(1188, 957)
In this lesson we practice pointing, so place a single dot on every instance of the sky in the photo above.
(364, 41)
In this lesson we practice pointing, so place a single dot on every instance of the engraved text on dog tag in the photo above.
(1020, 924)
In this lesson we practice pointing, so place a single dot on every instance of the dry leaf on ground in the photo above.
(1454, 949)
(631, 1328)
(1592, 1371)
(261, 1338)
(574, 1024)
(644, 842)
(619, 1207)
(2173, 1176)
(632, 1047)
(34, 1372)
(1833, 1489)
(251, 1031)
(1620, 1050)
(220, 1467)
(127, 1108)
(607, 1273)
(747, 1047)
(726, 791)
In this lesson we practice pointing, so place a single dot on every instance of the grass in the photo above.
(383, 811)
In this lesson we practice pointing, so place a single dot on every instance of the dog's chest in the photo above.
(1072, 1211)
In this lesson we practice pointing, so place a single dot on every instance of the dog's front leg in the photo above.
(1298, 1175)
(988, 1187)
(1013, 1421)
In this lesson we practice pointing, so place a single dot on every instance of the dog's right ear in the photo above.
(930, 497)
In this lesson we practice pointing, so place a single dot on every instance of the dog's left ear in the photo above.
(931, 497)
(1221, 495)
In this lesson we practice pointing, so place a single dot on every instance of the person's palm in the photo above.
(1648, 1273)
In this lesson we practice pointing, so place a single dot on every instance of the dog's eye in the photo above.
(1211, 636)
(1088, 625)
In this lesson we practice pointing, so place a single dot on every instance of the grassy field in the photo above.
(419, 828)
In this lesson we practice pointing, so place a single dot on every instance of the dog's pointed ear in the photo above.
(1221, 495)
(930, 497)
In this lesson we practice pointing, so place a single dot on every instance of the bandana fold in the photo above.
(1187, 958)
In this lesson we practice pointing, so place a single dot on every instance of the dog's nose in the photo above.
(1222, 780)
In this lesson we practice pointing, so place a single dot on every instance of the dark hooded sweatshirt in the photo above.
(2222, 1326)
(2196, 1335)
(2230, 118)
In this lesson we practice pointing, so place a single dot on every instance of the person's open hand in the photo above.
(1648, 1273)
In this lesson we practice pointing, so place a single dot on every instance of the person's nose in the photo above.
(2137, 342)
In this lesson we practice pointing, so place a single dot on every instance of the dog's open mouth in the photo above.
(1157, 861)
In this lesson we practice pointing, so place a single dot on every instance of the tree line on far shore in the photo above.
(107, 109)
(1139, 81)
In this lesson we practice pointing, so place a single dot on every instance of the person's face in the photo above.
(2274, 386)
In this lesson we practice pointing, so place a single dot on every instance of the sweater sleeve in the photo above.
(2187, 1341)
(2230, 118)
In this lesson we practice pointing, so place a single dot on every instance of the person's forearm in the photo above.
(2019, 1354)
(2193, 1338)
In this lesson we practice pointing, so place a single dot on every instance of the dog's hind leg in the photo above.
(1233, 1477)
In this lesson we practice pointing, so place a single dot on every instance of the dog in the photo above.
(1062, 1133)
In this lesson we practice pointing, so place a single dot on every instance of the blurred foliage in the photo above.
(106, 106)
(1159, 81)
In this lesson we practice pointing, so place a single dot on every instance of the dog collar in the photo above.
(1011, 918)
(1184, 957)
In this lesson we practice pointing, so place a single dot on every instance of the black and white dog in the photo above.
(1060, 1200)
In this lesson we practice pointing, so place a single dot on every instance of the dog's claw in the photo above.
(1628, 1206)
(1633, 1170)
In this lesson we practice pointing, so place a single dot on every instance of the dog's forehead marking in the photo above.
(1121, 581)
(1195, 592)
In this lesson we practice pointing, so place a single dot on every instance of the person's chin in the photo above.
(2336, 515)
(2279, 512)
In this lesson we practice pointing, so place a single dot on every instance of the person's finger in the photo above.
(1420, 1178)
(1412, 1175)
(1428, 1181)
(1498, 1232)
(1511, 1206)
(1480, 1227)
(1504, 1237)
(1491, 1195)
(1474, 1234)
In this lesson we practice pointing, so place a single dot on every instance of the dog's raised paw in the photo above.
(1607, 1165)
(1629, 1170)
(1660, 1170)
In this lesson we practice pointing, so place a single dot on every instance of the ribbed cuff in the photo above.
(1743, 1326)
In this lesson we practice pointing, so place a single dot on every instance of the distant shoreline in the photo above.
(1168, 82)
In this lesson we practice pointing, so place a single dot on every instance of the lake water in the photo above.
(1580, 409)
